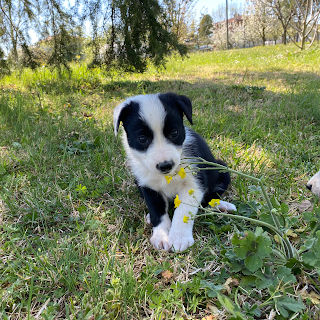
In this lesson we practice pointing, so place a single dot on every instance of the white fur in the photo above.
(160, 150)
(226, 206)
(314, 184)
(160, 235)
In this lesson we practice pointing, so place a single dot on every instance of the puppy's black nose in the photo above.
(309, 186)
(165, 166)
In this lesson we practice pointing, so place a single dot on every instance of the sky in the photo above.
(212, 4)
(209, 4)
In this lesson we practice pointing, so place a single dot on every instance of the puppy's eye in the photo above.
(174, 133)
(143, 139)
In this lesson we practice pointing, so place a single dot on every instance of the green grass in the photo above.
(73, 240)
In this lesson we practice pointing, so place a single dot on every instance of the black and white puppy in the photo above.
(157, 144)
(314, 184)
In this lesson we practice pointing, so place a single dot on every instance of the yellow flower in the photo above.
(168, 178)
(182, 173)
(185, 219)
(177, 202)
(191, 192)
(214, 202)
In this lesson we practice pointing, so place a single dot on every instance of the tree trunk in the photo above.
(284, 36)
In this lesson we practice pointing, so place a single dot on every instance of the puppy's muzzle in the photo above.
(309, 186)
(165, 166)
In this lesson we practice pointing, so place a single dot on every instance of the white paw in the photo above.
(160, 235)
(147, 218)
(179, 241)
(160, 240)
(226, 206)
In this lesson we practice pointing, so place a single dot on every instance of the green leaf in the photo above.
(258, 232)
(252, 248)
(96, 141)
(285, 274)
(284, 208)
(234, 265)
(251, 310)
(308, 216)
(212, 289)
(16, 145)
(248, 281)
(307, 245)
(275, 203)
(266, 217)
(264, 279)
(253, 263)
(263, 283)
(264, 246)
(309, 258)
(285, 303)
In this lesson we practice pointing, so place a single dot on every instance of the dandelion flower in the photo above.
(214, 202)
(168, 178)
(182, 173)
(185, 219)
(177, 202)
(191, 192)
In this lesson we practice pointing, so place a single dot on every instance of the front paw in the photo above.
(227, 206)
(160, 235)
(180, 241)
(160, 240)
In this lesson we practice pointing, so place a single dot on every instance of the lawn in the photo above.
(74, 243)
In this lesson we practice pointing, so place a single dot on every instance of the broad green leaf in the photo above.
(284, 208)
(285, 303)
(283, 273)
(263, 283)
(253, 263)
(264, 246)
(258, 232)
(266, 217)
(248, 281)
(309, 258)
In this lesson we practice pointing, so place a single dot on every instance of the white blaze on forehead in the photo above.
(152, 111)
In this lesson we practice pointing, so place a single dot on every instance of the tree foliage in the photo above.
(259, 20)
(16, 17)
(125, 34)
(138, 36)
(282, 9)
(206, 26)
(305, 21)
(180, 16)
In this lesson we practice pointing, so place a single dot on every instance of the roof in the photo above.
(237, 17)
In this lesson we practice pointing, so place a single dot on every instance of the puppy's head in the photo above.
(154, 130)
(314, 184)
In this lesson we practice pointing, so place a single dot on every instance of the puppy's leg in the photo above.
(180, 235)
(227, 206)
(314, 184)
(158, 208)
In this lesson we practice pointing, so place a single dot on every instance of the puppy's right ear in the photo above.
(118, 114)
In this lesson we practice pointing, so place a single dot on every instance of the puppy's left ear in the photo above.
(118, 115)
(186, 106)
(180, 101)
